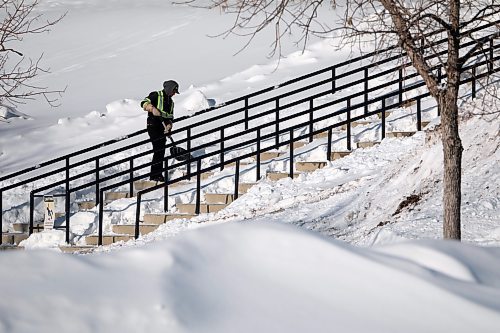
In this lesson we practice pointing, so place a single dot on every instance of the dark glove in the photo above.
(167, 124)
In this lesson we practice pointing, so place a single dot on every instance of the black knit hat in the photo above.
(170, 87)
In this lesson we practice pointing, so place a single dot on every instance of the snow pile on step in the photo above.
(196, 101)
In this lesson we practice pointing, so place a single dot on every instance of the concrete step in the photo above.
(335, 155)
(129, 229)
(269, 155)
(25, 227)
(366, 144)
(298, 144)
(325, 134)
(140, 185)
(162, 218)
(77, 249)
(309, 166)
(12, 238)
(244, 187)
(387, 114)
(242, 164)
(107, 239)
(112, 196)
(204, 175)
(361, 123)
(274, 175)
(219, 198)
(399, 134)
(189, 208)
(86, 205)
(7, 247)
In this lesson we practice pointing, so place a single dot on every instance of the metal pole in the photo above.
(137, 215)
(329, 145)
(291, 153)
(101, 212)
(311, 120)
(198, 187)
(277, 122)
(236, 179)
(491, 65)
(131, 176)
(334, 87)
(67, 199)
(349, 125)
(258, 155)
(221, 149)
(189, 151)
(473, 82)
(383, 119)
(97, 179)
(400, 94)
(419, 115)
(1, 216)
(366, 90)
(246, 113)
(32, 212)
(165, 188)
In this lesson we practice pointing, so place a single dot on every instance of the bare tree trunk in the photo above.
(452, 150)
(452, 145)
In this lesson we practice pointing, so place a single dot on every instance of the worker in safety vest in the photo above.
(160, 108)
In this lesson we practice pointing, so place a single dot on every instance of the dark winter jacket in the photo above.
(163, 103)
(162, 100)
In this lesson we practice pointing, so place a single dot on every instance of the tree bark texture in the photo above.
(452, 153)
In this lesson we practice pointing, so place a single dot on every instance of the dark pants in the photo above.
(158, 140)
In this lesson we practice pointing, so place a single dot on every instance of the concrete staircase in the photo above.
(212, 203)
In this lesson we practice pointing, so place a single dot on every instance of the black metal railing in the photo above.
(326, 82)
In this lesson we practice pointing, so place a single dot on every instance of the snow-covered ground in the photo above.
(374, 260)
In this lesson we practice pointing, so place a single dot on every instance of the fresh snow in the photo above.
(332, 250)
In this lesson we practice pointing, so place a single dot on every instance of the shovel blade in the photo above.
(179, 153)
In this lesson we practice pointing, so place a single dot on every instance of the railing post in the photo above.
(419, 114)
(246, 113)
(32, 212)
(198, 187)
(97, 180)
(188, 134)
(473, 82)
(165, 188)
(236, 179)
(131, 176)
(334, 80)
(67, 199)
(101, 212)
(329, 145)
(311, 120)
(277, 123)
(348, 135)
(258, 155)
(491, 65)
(222, 149)
(291, 153)
(383, 119)
(400, 92)
(1, 216)
(137, 214)
(366, 90)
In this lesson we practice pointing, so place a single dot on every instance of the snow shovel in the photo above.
(178, 153)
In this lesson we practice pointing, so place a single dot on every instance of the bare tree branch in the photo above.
(16, 74)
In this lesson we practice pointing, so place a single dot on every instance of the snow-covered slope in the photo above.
(253, 266)
(255, 277)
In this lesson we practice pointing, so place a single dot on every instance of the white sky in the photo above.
(264, 271)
